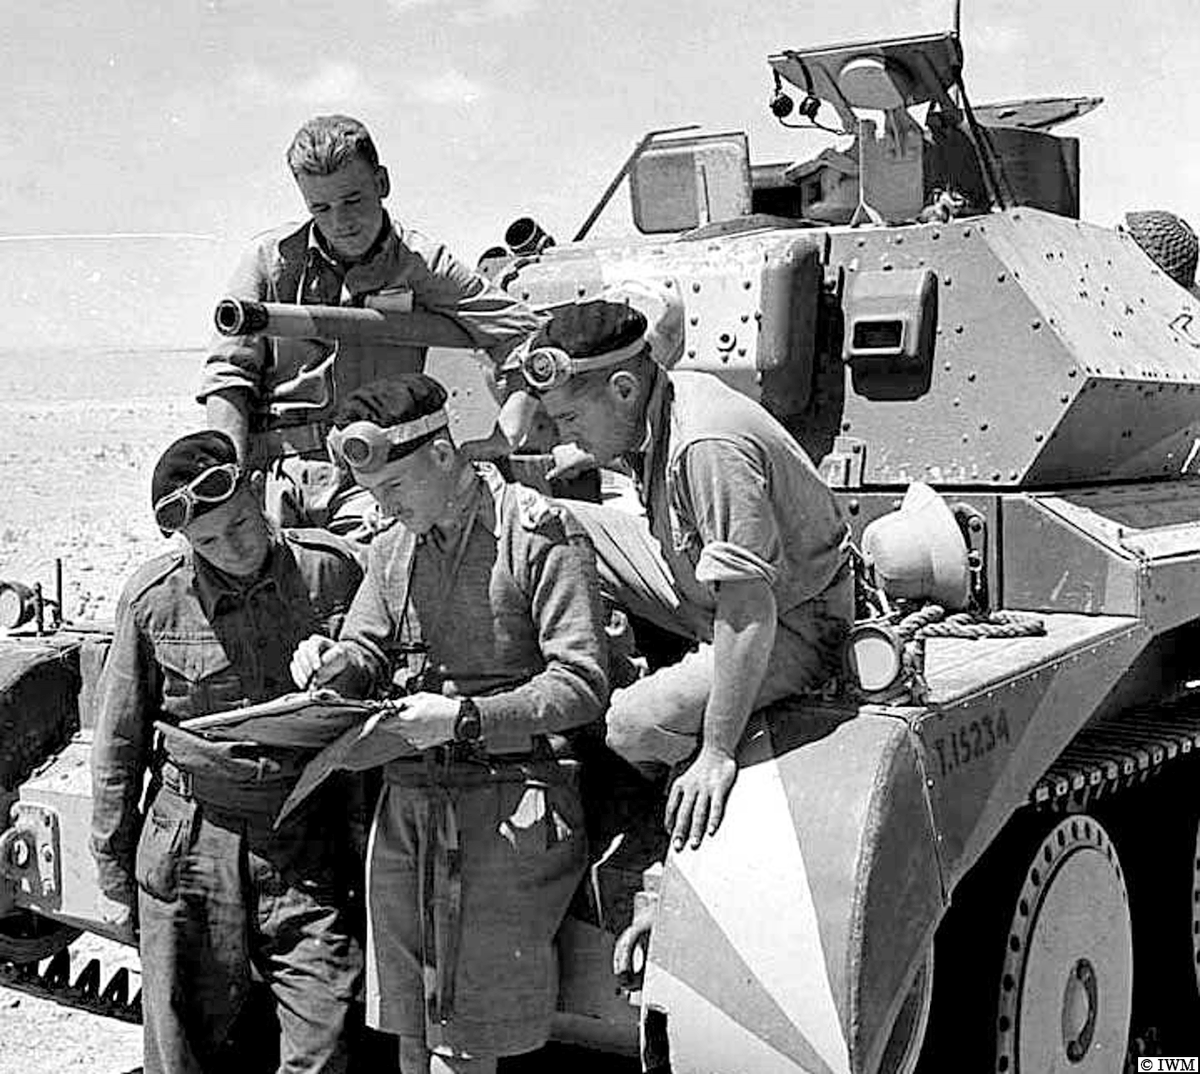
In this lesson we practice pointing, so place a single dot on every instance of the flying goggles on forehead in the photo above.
(545, 368)
(366, 446)
(214, 486)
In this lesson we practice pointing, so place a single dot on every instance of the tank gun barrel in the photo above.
(386, 319)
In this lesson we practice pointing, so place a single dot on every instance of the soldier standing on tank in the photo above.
(478, 842)
(275, 397)
(739, 547)
(213, 888)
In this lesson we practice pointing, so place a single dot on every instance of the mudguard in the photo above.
(789, 940)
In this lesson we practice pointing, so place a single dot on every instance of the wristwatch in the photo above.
(468, 727)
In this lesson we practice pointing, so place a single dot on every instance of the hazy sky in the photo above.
(130, 116)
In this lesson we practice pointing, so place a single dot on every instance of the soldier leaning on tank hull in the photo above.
(478, 842)
(211, 885)
(740, 546)
(275, 398)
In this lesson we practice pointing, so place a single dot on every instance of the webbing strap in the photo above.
(441, 933)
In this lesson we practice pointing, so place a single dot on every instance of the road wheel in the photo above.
(1155, 827)
(1066, 985)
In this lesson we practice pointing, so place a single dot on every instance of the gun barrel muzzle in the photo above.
(386, 319)
(239, 317)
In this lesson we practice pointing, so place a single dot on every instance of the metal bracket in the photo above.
(843, 467)
(29, 850)
(973, 525)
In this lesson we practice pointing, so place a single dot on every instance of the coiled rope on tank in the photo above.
(931, 621)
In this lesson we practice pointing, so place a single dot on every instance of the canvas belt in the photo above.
(461, 764)
(441, 939)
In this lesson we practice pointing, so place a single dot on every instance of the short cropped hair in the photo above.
(326, 143)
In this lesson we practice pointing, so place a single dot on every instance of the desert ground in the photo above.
(78, 435)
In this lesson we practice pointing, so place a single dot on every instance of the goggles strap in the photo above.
(408, 431)
(396, 435)
(566, 365)
(379, 441)
(602, 361)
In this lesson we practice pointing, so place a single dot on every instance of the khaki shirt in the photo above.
(509, 614)
(293, 381)
(189, 642)
(730, 495)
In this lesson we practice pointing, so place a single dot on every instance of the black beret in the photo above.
(187, 459)
(597, 326)
(393, 401)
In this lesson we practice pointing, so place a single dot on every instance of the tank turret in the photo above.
(920, 305)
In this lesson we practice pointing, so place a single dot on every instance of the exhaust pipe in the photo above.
(525, 237)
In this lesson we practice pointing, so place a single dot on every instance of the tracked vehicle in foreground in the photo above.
(981, 852)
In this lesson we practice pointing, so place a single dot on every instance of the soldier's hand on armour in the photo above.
(696, 803)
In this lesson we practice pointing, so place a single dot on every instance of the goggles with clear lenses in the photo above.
(366, 447)
(213, 487)
(545, 368)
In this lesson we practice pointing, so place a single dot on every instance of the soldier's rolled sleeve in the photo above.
(121, 750)
(494, 319)
(240, 362)
(725, 488)
(572, 689)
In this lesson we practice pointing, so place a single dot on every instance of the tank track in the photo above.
(84, 992)
(1118, 753)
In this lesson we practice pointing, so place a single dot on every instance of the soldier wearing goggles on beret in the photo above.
(737, 544)
(275, 398)
(211, 885)
(478, 840)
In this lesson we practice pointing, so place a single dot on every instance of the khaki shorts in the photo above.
(486, 984)
(657, 720)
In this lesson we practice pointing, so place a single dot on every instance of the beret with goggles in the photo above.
(580, 337)
(196, 473)
(386, 421)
